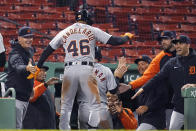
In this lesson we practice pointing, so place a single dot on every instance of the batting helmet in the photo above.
(84, 15)
(98, 54)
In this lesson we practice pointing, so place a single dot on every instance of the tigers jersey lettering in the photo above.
(82, 38)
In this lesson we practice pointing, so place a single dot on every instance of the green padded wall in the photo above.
(189, 108)
(7, 113)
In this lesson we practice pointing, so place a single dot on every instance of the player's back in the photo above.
(79, 42)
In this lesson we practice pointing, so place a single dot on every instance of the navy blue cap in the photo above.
(143, 58)
(182, 39)
(44, 67)
(166, 35)
(25, 31)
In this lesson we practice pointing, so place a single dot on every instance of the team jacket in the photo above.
(153, 69)
(178, 71)
(156, 100)
(17, 74)
(41, 110)
(124, 120)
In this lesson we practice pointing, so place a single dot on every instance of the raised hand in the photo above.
(142, 109)
(123, 88)
(30, 67)
(122, 68)
(52, 81)
(188, 86)
(137, 93)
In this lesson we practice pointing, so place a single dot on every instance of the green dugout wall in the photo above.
(189, 108)
(56, 69)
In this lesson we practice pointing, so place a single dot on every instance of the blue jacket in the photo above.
(178, 71)
(17, 74)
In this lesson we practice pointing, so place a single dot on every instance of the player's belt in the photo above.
(80, 63)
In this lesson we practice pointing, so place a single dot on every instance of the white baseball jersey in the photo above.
(2, 48)
(105, 81)
(79, 41)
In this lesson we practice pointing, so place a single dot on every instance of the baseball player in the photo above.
(106, 82)
(79, 41)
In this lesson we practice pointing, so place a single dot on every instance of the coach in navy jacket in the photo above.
(20, 65)
(178, 71)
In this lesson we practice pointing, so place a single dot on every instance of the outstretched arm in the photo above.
(115, 40)
(46, 53)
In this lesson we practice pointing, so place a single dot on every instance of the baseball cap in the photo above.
(182, 39)
(25, 31)
(45, 67)
(167, 34)
(143, 58)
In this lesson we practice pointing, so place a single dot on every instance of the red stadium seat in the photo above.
(131, 52)
(187, 28)
(49, 25)
(62, 26)
(182, 4)
(191, 19)
(145, 51)
(36, 26)
(147, 3)
(127, 3)
(7, 25)
(98, 2)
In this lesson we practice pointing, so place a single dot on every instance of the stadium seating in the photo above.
(144, 18)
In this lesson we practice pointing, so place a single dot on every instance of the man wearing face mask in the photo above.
(180, 73)
(20, 65)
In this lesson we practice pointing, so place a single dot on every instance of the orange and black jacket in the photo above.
(127, 119)
(41, 112)
(152, 69)
(38, 89)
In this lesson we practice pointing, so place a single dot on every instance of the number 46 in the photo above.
(84, 49)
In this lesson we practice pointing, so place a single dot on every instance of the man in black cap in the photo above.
(41, 110)
(143, 61)
(151, 114)
(155, 66)
(20, 65)
(179, 72)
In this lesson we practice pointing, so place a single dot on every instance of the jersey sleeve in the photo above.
(57, 41)
(111, 83)
(150, 72)
(101, 36)
(2, 48)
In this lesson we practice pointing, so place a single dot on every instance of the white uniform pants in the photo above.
(21, 109)
(177, 121)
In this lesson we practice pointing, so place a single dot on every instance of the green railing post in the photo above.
(189, 108)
